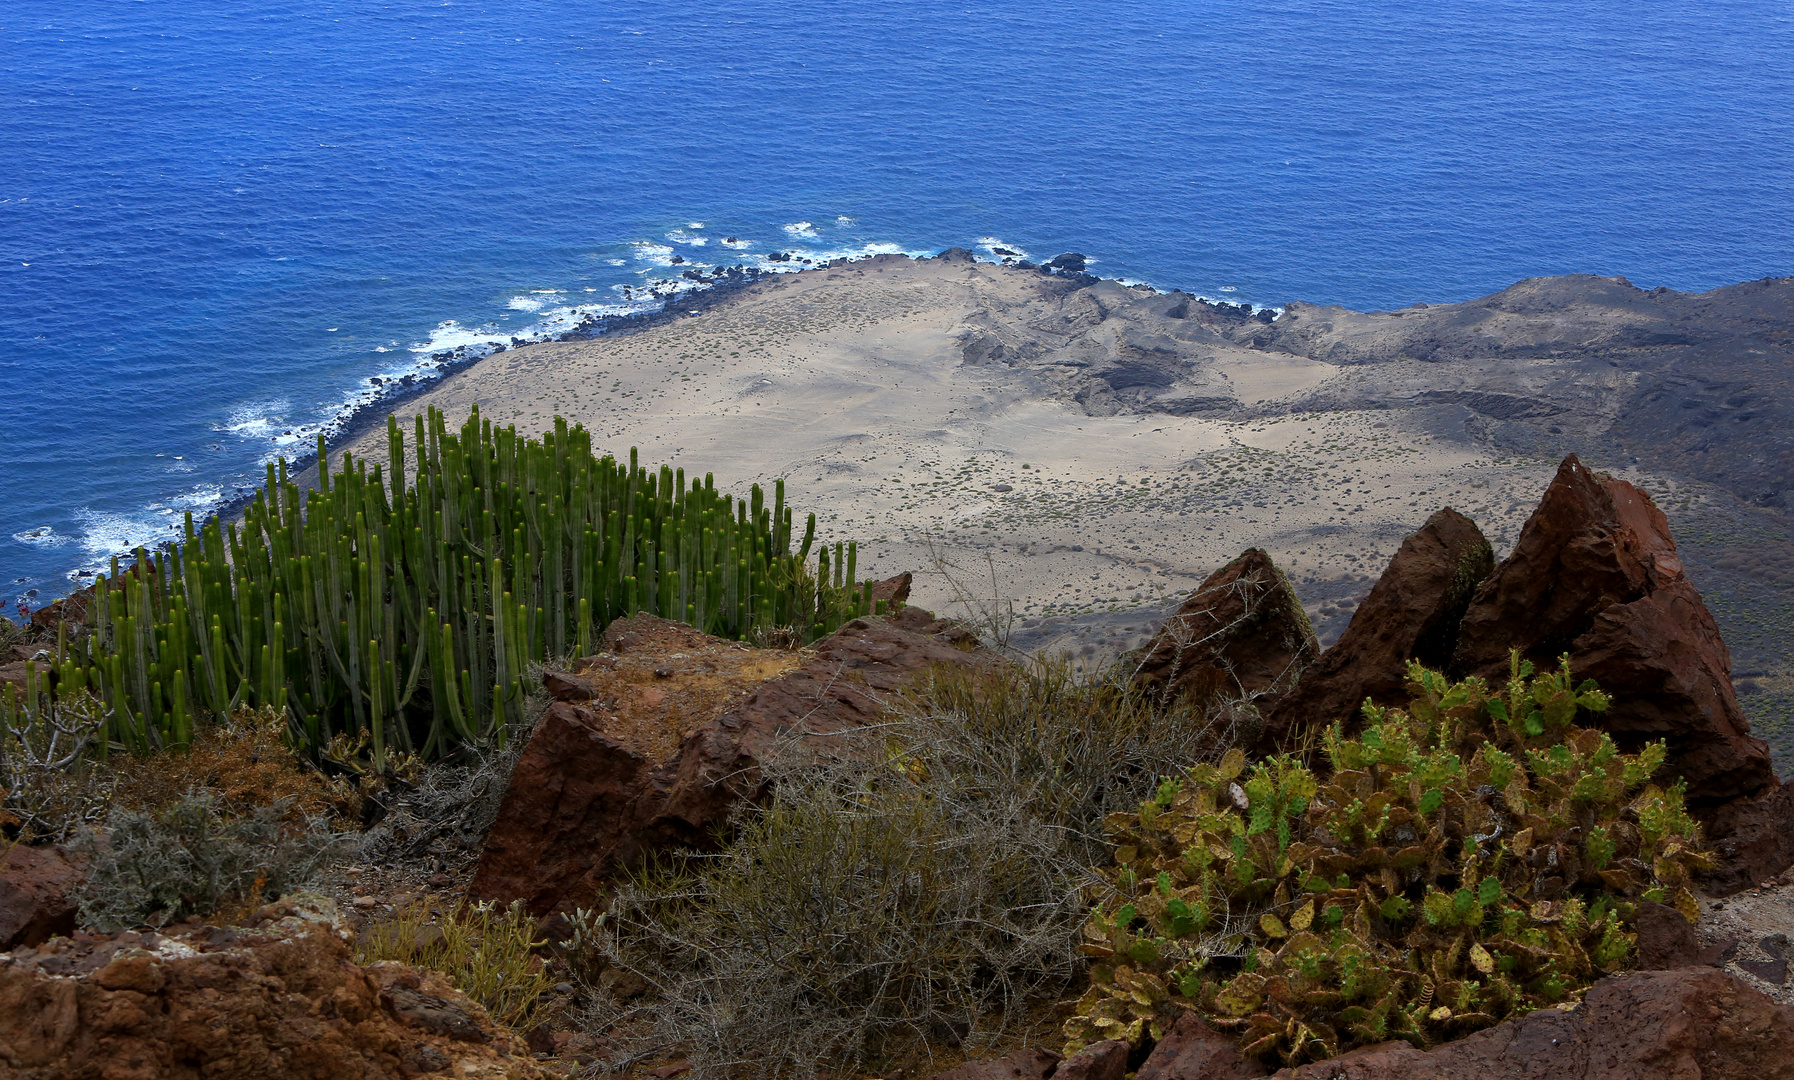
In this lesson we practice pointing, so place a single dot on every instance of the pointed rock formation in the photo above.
(1595, 574)
(1411, 613)
(1241, 634)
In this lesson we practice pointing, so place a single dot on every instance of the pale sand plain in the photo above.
(849, 382)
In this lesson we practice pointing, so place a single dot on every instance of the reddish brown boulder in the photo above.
(572, 788)
(286, 1001)
(37, 893)
(1033, 1064)
(1106, 1060)
(1695, 1022)
(1593, 541)
(1192, 1050)
(1666, 939)
(1412, 613)
(1753, 838)
(581, 803)
(893, 591)
(1595, 574)
(1241, 634)
(565, 686)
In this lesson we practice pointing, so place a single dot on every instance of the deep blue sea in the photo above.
(219, 221)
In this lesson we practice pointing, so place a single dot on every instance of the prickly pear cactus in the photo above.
(1474, 856)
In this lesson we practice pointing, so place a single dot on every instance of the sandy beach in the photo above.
(859, 384)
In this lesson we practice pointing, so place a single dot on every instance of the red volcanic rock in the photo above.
(37, 893)
(1106, 1060)
(1753, 838)
(1241, 634)
(1411, 613)
(1192, 1050)
(287, 1001)
(1595, 574)
(893, 591)
(1694, 1022)
(581, 803)
(571, 793)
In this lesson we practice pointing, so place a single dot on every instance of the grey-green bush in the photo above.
(193, 857)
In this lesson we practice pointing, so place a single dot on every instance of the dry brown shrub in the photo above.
(245, 763)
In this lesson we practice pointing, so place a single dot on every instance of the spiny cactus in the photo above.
(1472, 857)
(404, 604)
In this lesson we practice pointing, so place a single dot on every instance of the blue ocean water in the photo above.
(219, 221)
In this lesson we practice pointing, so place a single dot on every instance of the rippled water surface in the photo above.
(219, 222)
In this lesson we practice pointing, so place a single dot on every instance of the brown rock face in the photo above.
(236, 1005)
(1411, 613)
(1192, 1050)
(1595, 574)
(37, 887)
(1754, 839)
(1241, 634)
(1694, 1023)
(580, 803)
(1665, 939)
(1106, 1060)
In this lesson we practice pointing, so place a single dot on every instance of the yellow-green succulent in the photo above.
(1471, 857)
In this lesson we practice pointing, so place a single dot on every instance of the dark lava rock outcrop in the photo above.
(1412, 613)
(583, 802)
(1242, 633)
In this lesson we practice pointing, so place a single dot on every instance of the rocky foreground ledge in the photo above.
(657, 738)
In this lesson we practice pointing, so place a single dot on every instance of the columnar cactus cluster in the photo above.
(400, 606)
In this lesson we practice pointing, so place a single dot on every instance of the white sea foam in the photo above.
(42, 536)
(105, 534)
(802, 228)
(990, 244)
(843, 220)
(524, 303)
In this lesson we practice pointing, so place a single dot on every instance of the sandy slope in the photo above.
(852, 383)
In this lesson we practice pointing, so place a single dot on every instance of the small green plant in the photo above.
(1473, 857)
(485, 949)
(193, 857)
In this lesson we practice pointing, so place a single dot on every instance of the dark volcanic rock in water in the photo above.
(1242, 633)
(1412, 613)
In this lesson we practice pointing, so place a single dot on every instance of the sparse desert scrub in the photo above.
(922, 887)
(1473, 857)
(194, 856)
